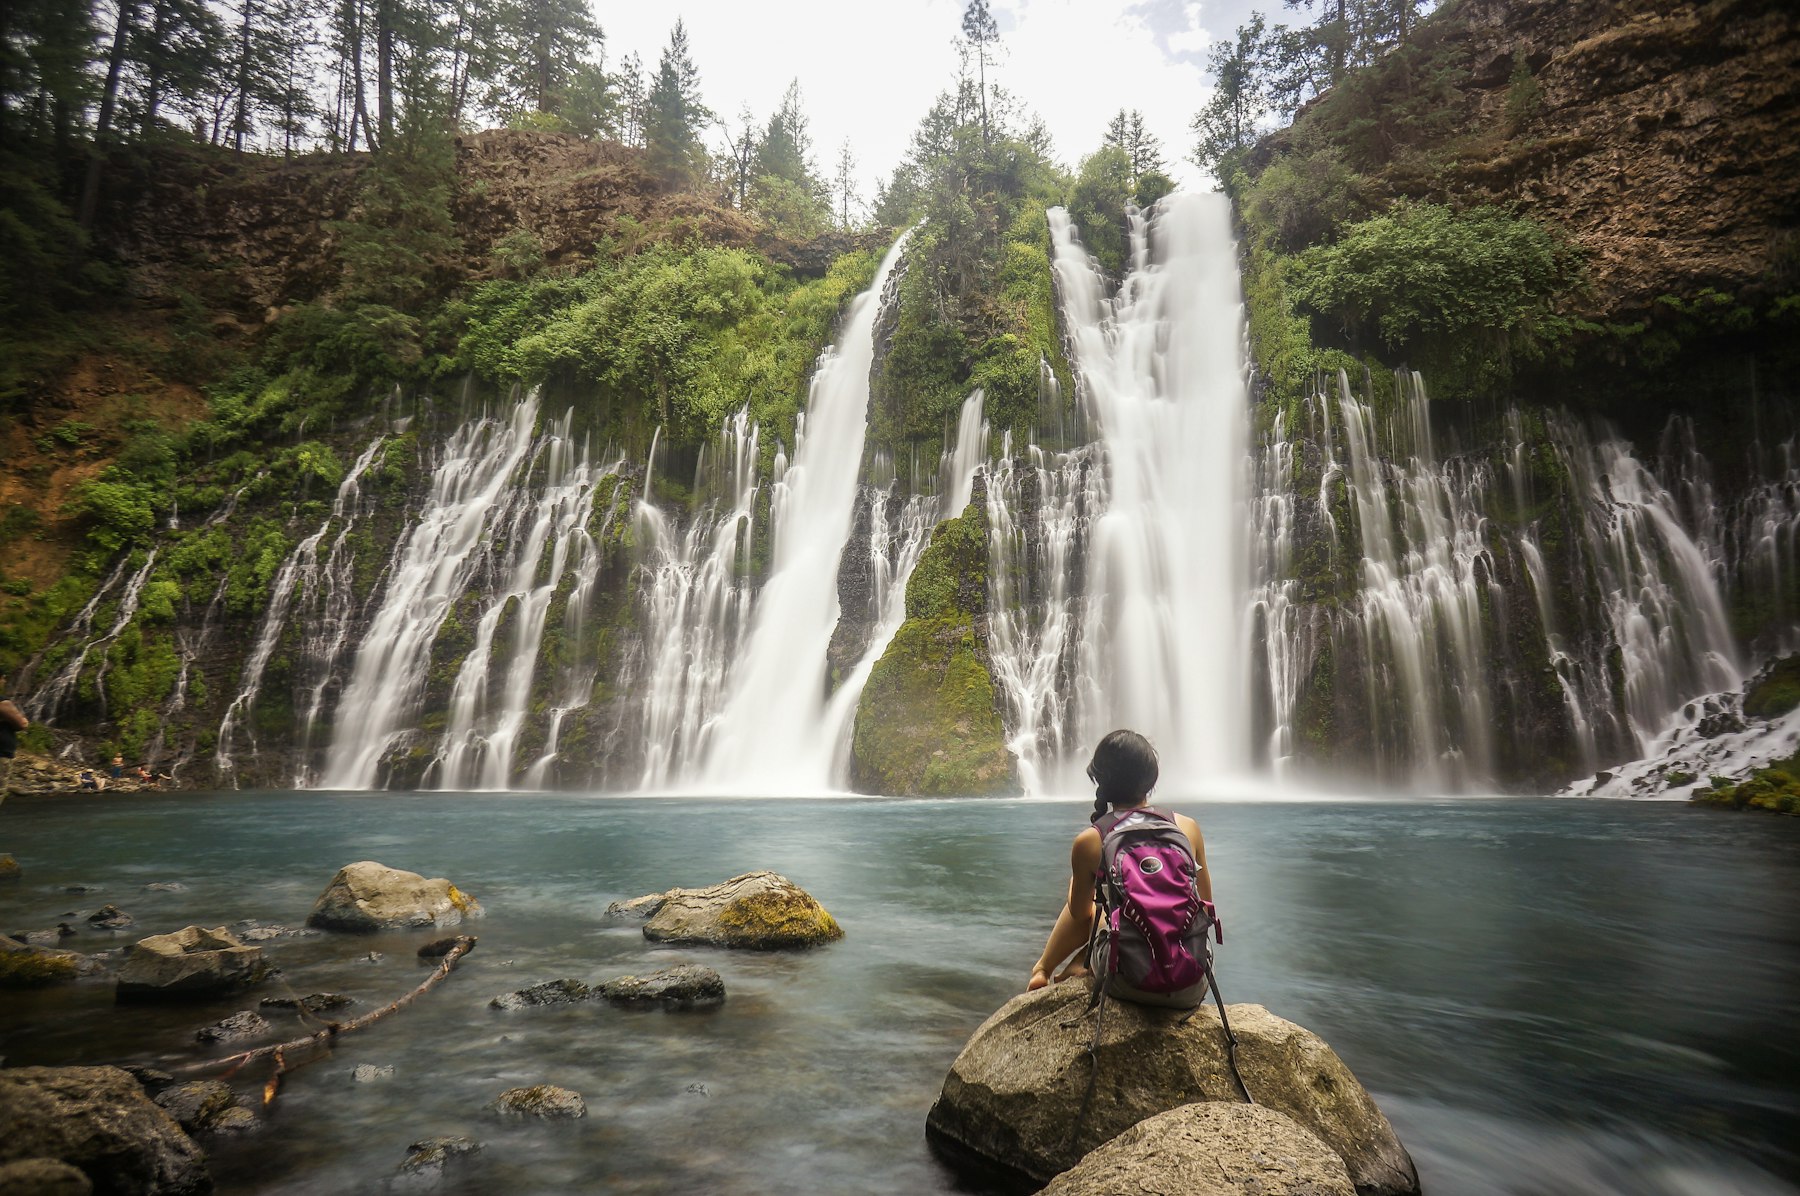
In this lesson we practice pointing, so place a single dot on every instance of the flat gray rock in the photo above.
(239, 1026)
(190, 964)
(546, 1101)
(550, 992)
(682, 986)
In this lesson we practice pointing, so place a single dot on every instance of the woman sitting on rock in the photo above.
(1124, 771)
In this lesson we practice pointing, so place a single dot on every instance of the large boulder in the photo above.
(367, 896)
(758, 910)
(1014, 1100)
(43, 1177)
(1209, 1149)
(190, 964)
(99, 1120)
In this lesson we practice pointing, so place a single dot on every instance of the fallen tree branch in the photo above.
(460, 946)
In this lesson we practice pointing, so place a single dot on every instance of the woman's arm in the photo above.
(1076, 919)
(1197, 841)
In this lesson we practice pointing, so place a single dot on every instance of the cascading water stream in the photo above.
(300, 572)
(49, 700)
(1162, 372)
(476, 488)
(489, 705)
(766, 737)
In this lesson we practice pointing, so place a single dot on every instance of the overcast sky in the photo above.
(869, 69)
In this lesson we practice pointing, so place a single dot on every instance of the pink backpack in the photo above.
(1151, 941)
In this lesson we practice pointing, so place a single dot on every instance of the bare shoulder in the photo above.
(1191, 829)
(1084, 852)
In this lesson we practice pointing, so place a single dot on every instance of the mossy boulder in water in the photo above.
(367, 896)
(761, 911)
(928, 723)
(1776, 692)
(26, 965)
(1025, 1099)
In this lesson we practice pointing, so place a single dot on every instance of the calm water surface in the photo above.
(1546, 997)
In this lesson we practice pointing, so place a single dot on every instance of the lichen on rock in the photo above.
(760, 911)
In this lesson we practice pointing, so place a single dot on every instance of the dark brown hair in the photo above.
(1123, 770)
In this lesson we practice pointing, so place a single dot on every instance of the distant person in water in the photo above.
(12, 721)
(1124, 771)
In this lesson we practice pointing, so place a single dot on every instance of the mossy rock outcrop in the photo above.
(928, 722)
(760, 911)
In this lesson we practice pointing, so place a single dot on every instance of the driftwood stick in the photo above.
(462, 945)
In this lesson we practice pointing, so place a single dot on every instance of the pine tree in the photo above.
(786, 144)
(544, 44)
(983, 33)
(630, 84)
(742, 150)
(845, 181)
(673, 113)
(1227, 125)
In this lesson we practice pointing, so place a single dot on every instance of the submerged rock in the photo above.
(26, 965)
(758, 910)
(109, 917)
(43, 1177)
(368, 1073)
(165, 886)
(9, 868)
(682, 986)
(1012, 1102)
(98, 1120)
(427, 1160)
(196, 1104)
(190, 964)
(1209, 1149)
(540, 1100)
(240, 1025)
(46, 938)
(367, 896)
(235, 1120)
(252, 931)
(550, 992)
(316, 1003)
(642, 908)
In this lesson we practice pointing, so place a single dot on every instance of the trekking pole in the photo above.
(1230, 1038)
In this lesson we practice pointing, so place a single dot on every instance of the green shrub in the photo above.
(1463, 293)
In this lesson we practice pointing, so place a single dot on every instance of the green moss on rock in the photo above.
(1777, 692)
(928, 723)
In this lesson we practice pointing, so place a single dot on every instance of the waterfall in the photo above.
(299, 571)
(696, 599)
(1540, 604)
(766, 737)
(49, 700)
(1038, 512)
(1161, 373)
(489, 704)
(481, 490)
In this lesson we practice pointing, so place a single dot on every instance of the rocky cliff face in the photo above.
(261, 228)
(1663, 137)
